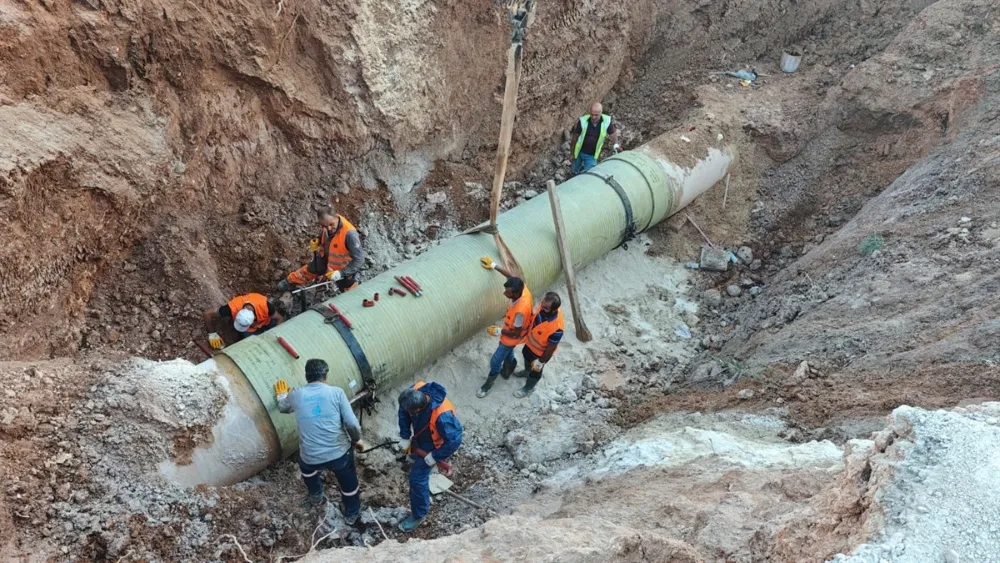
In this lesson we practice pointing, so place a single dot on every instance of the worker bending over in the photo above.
(514, 329)
(430, 432)
(328, 434)
(588, 136)
(337, 254)
(251, 314)
(544, 335)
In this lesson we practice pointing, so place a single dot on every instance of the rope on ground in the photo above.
(238, 546)
(370, 511)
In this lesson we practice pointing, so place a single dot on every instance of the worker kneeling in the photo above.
(544, 335)
(251, 314)
(337, 254)
(327, 431)
(430, 433)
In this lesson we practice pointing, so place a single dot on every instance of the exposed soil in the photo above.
(159, 157)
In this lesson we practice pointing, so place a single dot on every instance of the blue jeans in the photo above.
(420, 488)
(503, 354)
(584, 162)
(347, 477)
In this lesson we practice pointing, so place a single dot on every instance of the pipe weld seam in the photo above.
(649, 186)
(353, 345)
(629, 232)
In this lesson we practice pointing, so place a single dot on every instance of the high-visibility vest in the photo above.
(260, 314)
(520, 307)
(333, 251)
(538, 336)
(444, 407)
(584, 123)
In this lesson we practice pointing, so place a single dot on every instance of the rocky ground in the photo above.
(184, 144)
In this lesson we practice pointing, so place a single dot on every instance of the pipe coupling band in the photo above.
(353, 345)
(608, 179)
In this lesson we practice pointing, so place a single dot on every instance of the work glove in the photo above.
(617, 148)
(536, 366)
(493, 330)
(280, 389)
(404, 445)
(215, 340)
(314, 245)
(361, 446)
(488, 263)
(429, 460)
(334, 275)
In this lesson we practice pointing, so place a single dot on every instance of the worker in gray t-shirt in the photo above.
(327, 431)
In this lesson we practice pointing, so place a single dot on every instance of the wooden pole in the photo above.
(582, 333)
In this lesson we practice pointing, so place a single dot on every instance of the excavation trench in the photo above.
(624, 195)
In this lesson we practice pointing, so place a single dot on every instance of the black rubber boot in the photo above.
(284, 286)
(529, 387)
(509, 366)
(485, 389)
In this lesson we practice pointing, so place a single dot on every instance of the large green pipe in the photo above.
(402, 334)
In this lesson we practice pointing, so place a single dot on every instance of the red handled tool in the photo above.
(288, 347)
(416, 286)
(337, 312)
(402, 281)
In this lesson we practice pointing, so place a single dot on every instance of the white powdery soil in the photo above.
(940, 497)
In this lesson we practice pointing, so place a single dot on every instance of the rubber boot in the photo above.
(509, 366)
(284, 286)
(352, 519)
(410, 523)
(485, 389)
(529, 387)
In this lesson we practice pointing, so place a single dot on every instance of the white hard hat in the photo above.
(243, 320)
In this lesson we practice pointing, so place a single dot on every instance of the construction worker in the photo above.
(337, 254)
(430, 433)
(588, 136)
(251, 314)
(514, 329)
(544, 335)
(328, 435)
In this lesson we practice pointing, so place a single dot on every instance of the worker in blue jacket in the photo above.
(430, 433)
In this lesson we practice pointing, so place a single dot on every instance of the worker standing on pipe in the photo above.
(514, 329)
(337, 254)
(251, 314)
(544, 335)
(430, 432)
(588, 136)
(327, 431)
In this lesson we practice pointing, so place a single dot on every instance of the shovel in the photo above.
(441, 484)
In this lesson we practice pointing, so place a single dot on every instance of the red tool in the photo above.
(443, 466)
(420, 290)
(402, 281)
(205, 349)
(367, 303)
(288, 347)
(376, 297)
(395, 291)
(343, 319)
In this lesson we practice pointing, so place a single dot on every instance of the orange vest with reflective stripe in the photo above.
(444, 407)
(260, 314)
(337, 256)
(520, 307)
(538, 336)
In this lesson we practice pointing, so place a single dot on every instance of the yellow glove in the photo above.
(314, 245)
(280, 388)
(536, 366)
(334, 275)
(215, 340)
(361, 446)
(488, 263)
(493, 330)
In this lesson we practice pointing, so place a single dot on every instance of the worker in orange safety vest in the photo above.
(337, 254)
(251, 314)
(514, 329)
(544, 334)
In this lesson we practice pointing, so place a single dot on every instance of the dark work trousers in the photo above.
(347, 477)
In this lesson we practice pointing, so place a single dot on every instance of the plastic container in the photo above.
(790, 60)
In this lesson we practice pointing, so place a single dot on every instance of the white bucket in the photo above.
(790, 61)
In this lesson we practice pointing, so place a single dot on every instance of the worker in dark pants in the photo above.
(337, 254)
(429, 432)
(251, 314)
(328, 434)
(544, 336)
